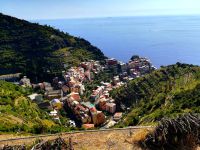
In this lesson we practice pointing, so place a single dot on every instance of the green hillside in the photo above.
(166, 92)
(40, 51)
(17, 113)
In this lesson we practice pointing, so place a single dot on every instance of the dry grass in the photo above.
(140, 135)
(102, 140)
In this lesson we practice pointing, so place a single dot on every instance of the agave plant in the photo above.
(174, 134)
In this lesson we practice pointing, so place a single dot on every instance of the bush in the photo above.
(180, 133)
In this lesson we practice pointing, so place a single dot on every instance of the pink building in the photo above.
(111, 107)
(117, 116)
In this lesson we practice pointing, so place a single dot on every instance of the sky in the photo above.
(60, 9)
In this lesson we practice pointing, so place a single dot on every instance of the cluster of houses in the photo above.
(86, 112)
(102, 100)
(136, 67)
(68, 92)
(116, 66)
(140, 66)
(90, 112)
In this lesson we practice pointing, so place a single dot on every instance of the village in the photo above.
(99, 109)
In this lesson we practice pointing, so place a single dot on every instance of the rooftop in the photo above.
(87, 104)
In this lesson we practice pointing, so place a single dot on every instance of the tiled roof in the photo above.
(75, 96)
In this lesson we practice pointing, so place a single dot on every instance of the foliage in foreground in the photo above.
(174, 134)
(56, 144)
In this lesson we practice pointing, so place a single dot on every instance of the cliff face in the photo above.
(40, 51)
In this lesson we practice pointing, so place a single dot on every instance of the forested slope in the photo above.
(166, 92)
(40, 51)
(19, 114)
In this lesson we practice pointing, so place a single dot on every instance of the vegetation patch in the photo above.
(19, 114)
(166, 92)
(179, 133)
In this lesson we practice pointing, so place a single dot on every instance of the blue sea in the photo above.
(164, 39)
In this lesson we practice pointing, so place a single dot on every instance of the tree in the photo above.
(135, 57)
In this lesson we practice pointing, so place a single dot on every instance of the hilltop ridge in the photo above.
(40, 51)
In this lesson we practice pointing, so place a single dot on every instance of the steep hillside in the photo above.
(40, 51)
(17, 113)
(167, 92)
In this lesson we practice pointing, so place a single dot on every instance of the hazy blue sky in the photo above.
(54, 9)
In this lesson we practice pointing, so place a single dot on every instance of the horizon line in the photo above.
(103, 17)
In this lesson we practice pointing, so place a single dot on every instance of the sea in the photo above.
(164, 40)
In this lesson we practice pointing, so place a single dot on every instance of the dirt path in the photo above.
(118, 139)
